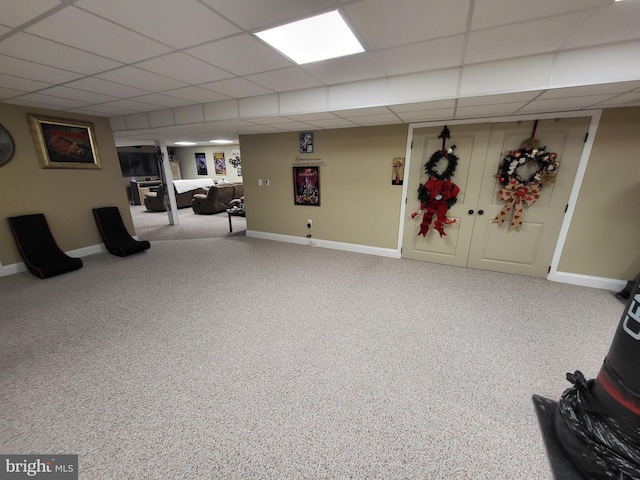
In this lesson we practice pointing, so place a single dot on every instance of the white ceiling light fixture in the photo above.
(313, 39)
(186, 144)
(221, 142)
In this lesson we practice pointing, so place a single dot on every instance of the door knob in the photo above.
(480, 212)
(470, 212)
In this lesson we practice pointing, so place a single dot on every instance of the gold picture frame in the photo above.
(63, 143)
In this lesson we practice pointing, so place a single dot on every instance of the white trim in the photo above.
(14, 268)
(575, 191)
(587, 281)
(315, 242)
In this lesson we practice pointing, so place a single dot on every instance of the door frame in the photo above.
(575, 188)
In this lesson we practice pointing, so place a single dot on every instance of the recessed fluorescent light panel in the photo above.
(313, 39)
(185, 143)
(221, 142)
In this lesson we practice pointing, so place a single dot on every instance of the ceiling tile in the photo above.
(236, 88)
(160, 100)
(161, 118)
(492, 99)
(256, 57)
(133, 105)
(221, 110)
(602, 89)
(304, 117)
(293, 78)
(291, 126)
(363, 94)
(22, 84)
(488, 110)
(93, 84)
(546, 35)
(332, 123)
(614, 22)
(98, 36)
(34, 71)
(136, 77)
(259, 106)
(184, 68)
(57, 101)
(179, 24)
(17, 12)
(419, 87)
(105, 109)
(360, 112)
(189, 114)
(409, 24)
(196, 95)
(138, 120)
(418, 106)
(46, 52)
(423, 56)
(614, 63)
(427, 115)
(361, 66)
(252, 15)
(74, 93)
(625, 100)
(492, 13)
(506, 76)
(10, 92)
(564, 103)
(4, 29)
(304, 101)
(383, 119)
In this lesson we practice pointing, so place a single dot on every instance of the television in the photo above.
(138, 164)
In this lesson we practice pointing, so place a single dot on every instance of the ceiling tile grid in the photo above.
(161, 62)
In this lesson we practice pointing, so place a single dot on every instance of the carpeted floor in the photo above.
(155, 225)
(242, 358)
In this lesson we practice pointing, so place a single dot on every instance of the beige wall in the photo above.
(604, 236)
(358, 203)
(187, 159)
(65, 196)
(360, 206)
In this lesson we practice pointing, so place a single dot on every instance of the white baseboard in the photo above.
(79, 252)
(347, 247)
(588, 281)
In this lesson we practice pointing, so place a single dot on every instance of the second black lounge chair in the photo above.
(38, 248)
(115, 235)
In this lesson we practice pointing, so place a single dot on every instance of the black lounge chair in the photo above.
(38, 248)
(115, 235)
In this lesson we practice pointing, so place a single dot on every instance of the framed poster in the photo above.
(201, 163)
(62, 143)
(221, 165)
(306, 186)
(306, 142)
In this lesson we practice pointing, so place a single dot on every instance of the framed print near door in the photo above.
(306, 186)
(62, 143)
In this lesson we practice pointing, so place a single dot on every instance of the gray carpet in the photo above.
(155, 225)
(244, 358)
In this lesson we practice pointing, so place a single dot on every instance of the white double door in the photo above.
(474, 240)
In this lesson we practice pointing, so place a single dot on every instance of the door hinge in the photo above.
(405, 200)
(401, 250)
(586, 135)
(412, 144)
(549, 269)
(566, 208)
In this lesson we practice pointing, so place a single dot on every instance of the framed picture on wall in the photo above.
(306, 142)
(62, 143)
(306, 186)
(221, 165)
(201, 163)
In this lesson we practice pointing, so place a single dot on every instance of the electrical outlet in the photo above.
(259, 182)
(266, 182)
(309, 222)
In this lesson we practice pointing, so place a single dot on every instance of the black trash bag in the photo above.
(602, 447)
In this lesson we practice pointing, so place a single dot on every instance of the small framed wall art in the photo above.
(306, 186)
(306, 142)
(62, 143)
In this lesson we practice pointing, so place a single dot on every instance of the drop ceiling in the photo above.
(193, 70)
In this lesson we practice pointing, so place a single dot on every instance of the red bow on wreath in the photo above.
(515, 194)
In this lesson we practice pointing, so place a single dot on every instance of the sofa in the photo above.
(218, 198)
(184, 191)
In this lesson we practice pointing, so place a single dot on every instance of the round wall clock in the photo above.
(7, 147)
